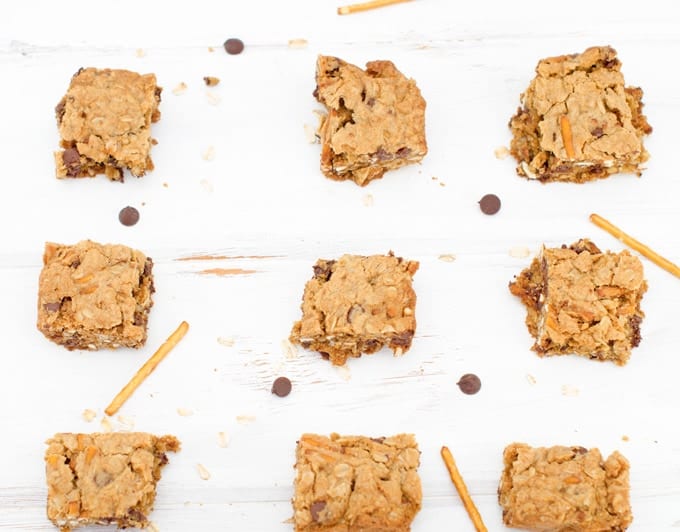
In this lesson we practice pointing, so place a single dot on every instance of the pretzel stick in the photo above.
(635, 244)
(147, 368)
(365, 6)
(462, 490)
(565, 127)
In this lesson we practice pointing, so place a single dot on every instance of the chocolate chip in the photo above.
(324, 355)
(404, 152)
(597, 132)
(383, 155)
(323, 269)
(403, 339)
(370, 102)
(128, 216)
(71, 159)
(52, 307)
(469, 384)
(490, 204)
(316, 508)
(233, 46)
(579, 450)
(378, 440)
(282, 386)
(316, 92)
(59, 110)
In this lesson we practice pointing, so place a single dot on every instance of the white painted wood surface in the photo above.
(263, 196)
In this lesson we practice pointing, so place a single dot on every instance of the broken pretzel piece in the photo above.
(635, 244)
(147, 368)
(365, 6)
(459, 483)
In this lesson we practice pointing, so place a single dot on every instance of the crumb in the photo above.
(208, 154)
(106, 425)
(139, 52)
(211, 81)
(345, 372)
(211, 49)
(165, 185)
(501, 152)
(447, 257)
(625, 438)
(222, 439)
(213, 99)
(203, 472)
(89, 415)
(207, 185)
(225, 341)
(289, 349)
(184, 412)
(519, 252)
(442, 184)
(368, 200)
(126, 420)
(310, 134)
(531, 379)
(245, 419)
(180, 89)
(297, 43)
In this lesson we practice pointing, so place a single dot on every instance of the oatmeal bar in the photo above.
(105, 124)
(104, 478)
(356, 483)
(578, 121)
(564, 489)
(94, 295)
(375, 120)
(357, 305)
(583, 301)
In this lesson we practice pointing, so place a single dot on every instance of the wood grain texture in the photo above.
(261, 206)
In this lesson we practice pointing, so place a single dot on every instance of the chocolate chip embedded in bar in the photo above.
(583, 301)
(94, 296)
(356, 305)
(578, 121)
(375, 120)
(356, 483)
(105, 124)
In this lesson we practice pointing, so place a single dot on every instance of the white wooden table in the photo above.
(264, 206)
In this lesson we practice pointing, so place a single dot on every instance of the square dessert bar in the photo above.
(104, 478)
(105, 123)
(564, 488)
(578, 121)
(583, 301)
(357, 305)
(356, 483)
(94, 295)
(375, 120)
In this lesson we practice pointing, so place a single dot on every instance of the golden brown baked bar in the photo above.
(94, 296)
(578, 121)
(356, 483)
(375, 120)
(357, 305)
(104, 478)
(105, 123)
(564, 489)
(583, 301)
